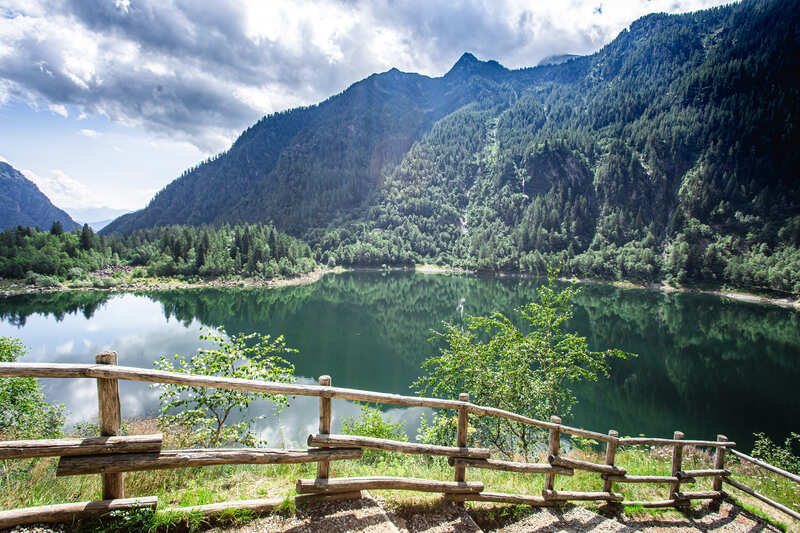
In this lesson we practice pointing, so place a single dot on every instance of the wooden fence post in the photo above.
(719, 464)
(677, 459)
(324, 467)
(461, 436)
(110, 419)
(553, 445)
(611, 452)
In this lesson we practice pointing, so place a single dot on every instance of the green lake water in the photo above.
(706, 365)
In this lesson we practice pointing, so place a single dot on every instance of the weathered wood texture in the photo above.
(643, 479)
(396, 446)
(677, 458)
(503, 497)
(699, 495)
(553, 447)
(669, 442)
(318, 497)
(683, 474)
(719, 463)
(585, 465)
(25, 449)
(383, 483)
(130, 462)
(759, 496)
(762, 464)
(561, 495)
(650, 503)
(210, 509)
(460, 473)
(611, 452)
(110, 422)
(325, 418)
(69, 512)
(511, 466)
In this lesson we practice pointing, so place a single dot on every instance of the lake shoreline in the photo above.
(168, 284)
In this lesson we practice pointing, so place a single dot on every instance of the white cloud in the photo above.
(201, 71)
(59, 109)
(62, 189)
(86, 132)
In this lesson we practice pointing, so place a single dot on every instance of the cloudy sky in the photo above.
(103, 102)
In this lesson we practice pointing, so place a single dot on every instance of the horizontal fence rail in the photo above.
(112, 454)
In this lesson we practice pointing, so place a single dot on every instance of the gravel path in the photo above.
(362, 516)
(728, 519)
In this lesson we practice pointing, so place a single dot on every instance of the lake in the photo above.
(706, 365)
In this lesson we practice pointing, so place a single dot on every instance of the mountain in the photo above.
(96, 217)
(23, 204)
(556, 59)
(671, 154)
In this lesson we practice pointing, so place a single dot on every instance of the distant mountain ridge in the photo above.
(671, 152)
(23, 204)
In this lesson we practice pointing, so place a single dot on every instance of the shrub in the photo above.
(24, 412)
(205, 412)
(372, 424)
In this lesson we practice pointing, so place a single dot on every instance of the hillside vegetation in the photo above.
(670, 154)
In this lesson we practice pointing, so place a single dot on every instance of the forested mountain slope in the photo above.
(670, 153)
(23, 204)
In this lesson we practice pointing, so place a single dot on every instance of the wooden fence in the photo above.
(111, 454)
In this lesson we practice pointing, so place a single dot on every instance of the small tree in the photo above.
(205, 413)
(372, 424)
(24, 412)
(526, 373)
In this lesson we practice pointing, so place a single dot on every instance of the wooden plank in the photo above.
(44, 370)
(585, 465)
(703, 473)
(759, 496)
(611, 452)
(644, 479)
(719, 464)
(634, 441)
(650, 503)
(762, 464)
(483, 410)
(511, 466)
(587, 434)
(129, 462)
(25, 449)
(110, 421)
(325, 417)
(385, 483)
(553, 447)
(699, 495)
(396, 446)
(460, 473)
(210, 509)
(503, 497)
(561, 495)
(319, 497)
(69, 512)
(677, 458)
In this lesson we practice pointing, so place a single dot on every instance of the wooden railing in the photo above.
(112, 454)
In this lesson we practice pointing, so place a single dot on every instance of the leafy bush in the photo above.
(74, 273)
(526, 373)
(786, 456)
(204, 413)
(104, 283)
(372, 424)
(41, 280)
(24, 412)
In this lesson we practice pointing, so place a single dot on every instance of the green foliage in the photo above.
(24, 412)
(371, 423)
(786, 457)
(258, 251)
(206, 413)
(526, 373)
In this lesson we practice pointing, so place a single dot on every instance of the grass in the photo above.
(27, 483)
